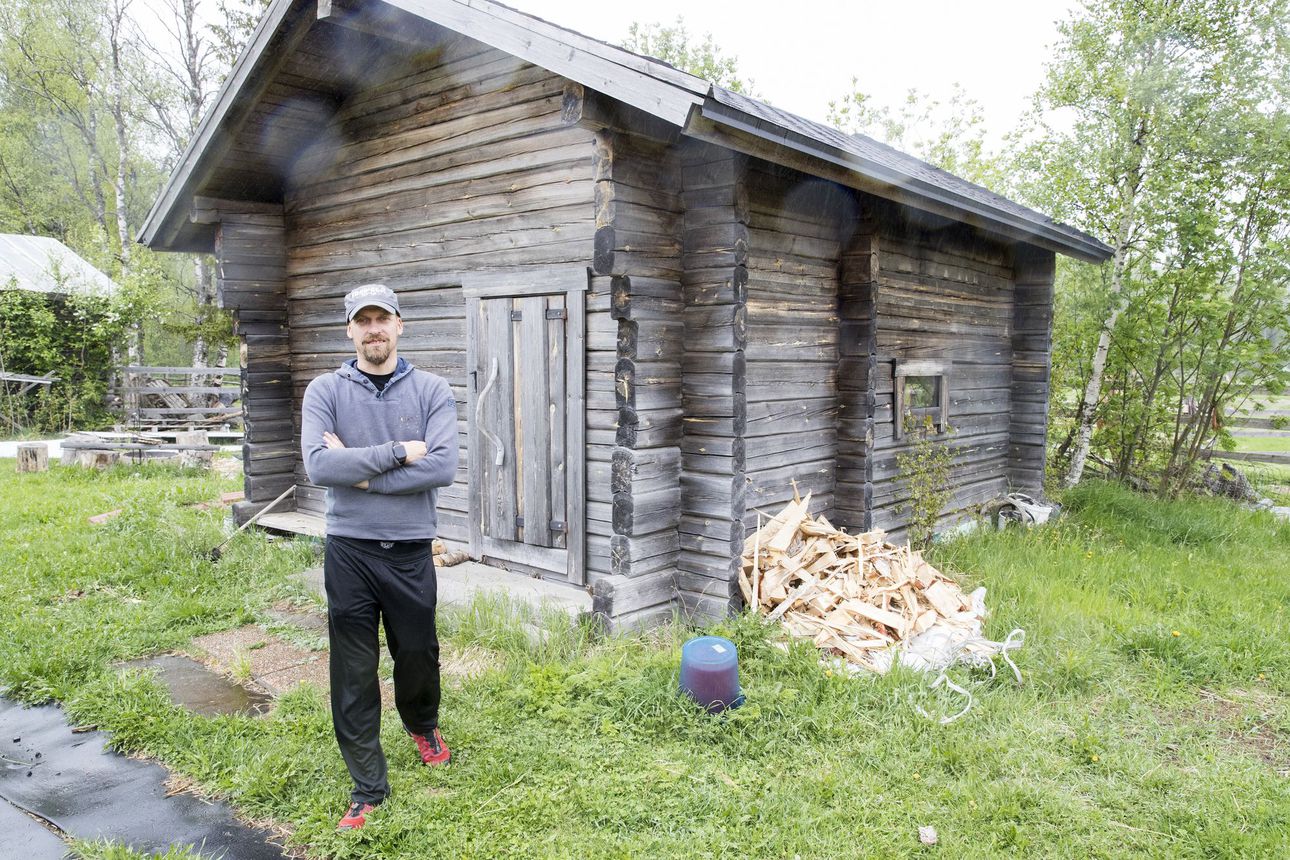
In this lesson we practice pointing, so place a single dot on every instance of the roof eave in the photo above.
(732, 128)
(165, 221)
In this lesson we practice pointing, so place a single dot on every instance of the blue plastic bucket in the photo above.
(710, 673)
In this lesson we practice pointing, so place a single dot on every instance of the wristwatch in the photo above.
(400, 453)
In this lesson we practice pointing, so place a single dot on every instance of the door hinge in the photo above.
(517, 315)
(555, 525)
(557, 314)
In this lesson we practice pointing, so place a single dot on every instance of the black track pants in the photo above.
(395, 583)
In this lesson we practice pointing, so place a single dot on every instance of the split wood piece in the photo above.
(886, 617)
(764, 534)
(945, 598)
(787, 532)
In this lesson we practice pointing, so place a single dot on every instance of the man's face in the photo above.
(375, 333)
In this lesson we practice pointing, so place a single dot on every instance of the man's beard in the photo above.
(377, 351)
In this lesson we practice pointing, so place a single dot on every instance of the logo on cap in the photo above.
(370, 295)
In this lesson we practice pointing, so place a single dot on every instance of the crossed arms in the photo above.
(431, 461)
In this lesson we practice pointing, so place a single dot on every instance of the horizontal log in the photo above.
(637, 515)
(644, 471)
(620, 595)
(635, 557)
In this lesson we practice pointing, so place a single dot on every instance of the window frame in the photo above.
(940, 411)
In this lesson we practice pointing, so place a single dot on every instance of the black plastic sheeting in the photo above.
(88, 792)
(26, 838)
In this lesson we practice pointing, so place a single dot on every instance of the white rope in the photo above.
(943, 680)
(974, 651)
(1014, 640)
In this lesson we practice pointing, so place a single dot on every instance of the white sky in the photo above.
(801, 54)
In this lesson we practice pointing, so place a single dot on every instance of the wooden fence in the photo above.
(167, 398)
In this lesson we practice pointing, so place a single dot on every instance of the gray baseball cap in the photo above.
(371, 295)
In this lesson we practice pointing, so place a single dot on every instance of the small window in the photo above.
(922, 393)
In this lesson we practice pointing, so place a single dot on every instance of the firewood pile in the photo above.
(444, 558)
(852, 595)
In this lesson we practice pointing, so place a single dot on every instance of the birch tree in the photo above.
(1170, 101)
(187, 72)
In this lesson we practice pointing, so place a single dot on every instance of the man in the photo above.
(380, 436)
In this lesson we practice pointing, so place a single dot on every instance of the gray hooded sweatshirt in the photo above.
(399, 502)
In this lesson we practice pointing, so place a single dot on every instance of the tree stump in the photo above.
(90, 458)
(201, 459)
(33, 457)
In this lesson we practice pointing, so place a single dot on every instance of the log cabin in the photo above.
(661, 304)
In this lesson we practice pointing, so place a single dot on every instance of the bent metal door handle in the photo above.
(500, 458)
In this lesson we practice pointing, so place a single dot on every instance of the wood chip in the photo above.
(873, 613)
(848, 594)
(945, 598)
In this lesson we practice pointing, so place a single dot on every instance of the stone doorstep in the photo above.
(459, 584)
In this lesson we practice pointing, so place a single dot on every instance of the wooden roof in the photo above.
(306, 57)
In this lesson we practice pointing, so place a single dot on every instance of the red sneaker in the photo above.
(356, 817)
(432, 748)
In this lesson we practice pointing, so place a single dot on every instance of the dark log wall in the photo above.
(461, 165)
(251, 276)
(1032, 336)
(857, 375)
(714, 375)
(634, 380)
(794, 227)
(944, 292)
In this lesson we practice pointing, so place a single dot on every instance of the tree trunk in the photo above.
(201, 271)
(116, 82)
(1093, 390)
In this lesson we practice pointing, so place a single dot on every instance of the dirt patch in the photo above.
(466, 663)
(227, 467)
(306, 618)
(252, 655)
(1245, 720)
(249, 654)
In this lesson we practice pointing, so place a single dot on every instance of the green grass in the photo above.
(1154, 721)
(1262, 443)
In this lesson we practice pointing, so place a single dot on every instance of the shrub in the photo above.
(68, 335)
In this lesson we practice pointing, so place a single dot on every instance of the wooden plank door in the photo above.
(518, 430)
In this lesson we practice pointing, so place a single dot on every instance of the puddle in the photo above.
(200, 690)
